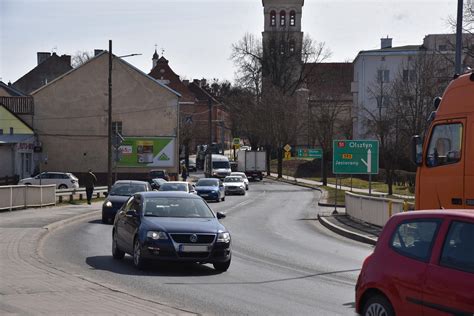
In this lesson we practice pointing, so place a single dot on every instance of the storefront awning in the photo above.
(16, 138)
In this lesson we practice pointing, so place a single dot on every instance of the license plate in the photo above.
(204, 194)
(186, 248)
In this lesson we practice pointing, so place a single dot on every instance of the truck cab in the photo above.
(445, 159)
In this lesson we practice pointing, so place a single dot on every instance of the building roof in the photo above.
(163, 72)
(45, 72)
(201, 94)
(394, 49)
(11, 90)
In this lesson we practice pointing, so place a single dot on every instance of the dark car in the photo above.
(423, 264)
(170, 226)
(156, 183)
(159, 173)
(210, 189)
(120, 192)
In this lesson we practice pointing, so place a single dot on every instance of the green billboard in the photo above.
(355, 157)
(147, 152)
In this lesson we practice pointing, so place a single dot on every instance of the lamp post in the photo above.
(109, 121)
(459, 37)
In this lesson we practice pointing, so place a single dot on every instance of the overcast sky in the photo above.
(197, 35)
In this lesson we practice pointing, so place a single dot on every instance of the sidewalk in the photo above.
(339, 223)
(30, 285)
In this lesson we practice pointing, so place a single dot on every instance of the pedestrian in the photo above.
(184, 172)
(89, 184)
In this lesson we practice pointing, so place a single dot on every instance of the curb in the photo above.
(63, 222)
(331, 205)
(346, 233)
(296, 183)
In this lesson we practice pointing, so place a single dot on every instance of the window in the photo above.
(282, 18)
(272, 47)
(273, 18)
(445, 145)
(282, 48)
(292, 47)
(458, 249)
(11, 130)
(408, 75)
(117, 127)
(415, 239)
(292, 18)
(383, 75)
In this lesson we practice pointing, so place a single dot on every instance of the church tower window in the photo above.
(282, 48)
(292, 47)
(292, 18)
(273, 18)
(282, 18)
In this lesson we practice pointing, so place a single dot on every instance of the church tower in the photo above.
(282, 36)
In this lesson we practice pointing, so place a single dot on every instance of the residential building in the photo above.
(71, 121)
(375, 70)
(50, 66)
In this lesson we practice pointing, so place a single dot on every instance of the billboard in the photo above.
(147, 152)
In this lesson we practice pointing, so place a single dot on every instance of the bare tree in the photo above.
(80, 57)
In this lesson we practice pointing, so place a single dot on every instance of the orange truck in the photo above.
(445, 159)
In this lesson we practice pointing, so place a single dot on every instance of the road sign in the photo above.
(355, 157)
(236, 141)
(310, 153)
(287, 147)
(287, 155)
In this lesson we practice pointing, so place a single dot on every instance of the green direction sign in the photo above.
(355, 157)
(309, 153)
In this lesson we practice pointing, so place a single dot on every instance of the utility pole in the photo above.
(209, 152)
(459, 38)
(109, 131)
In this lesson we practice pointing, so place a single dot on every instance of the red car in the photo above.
(423, 264)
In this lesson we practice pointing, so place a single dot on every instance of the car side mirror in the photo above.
(220, 215)
(131, 213)
(417, 150)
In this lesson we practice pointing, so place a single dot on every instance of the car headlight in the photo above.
(155, 235)
(223, 237)
(108, 204)
(214, 191)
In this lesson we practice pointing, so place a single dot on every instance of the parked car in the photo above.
(120, 192)
(234, 185)
(423, 264)
(210, 189)
(243, 176)
(170, 226)
(178, 186)
(156, 183)
(159, 173)
(62, 180)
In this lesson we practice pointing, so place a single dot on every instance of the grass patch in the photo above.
(331, 194)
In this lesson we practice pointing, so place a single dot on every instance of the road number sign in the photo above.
(355, 157)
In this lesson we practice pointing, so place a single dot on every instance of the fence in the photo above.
(373, 210)
(23, 196)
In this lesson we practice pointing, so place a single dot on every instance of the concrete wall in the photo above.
(71, 114)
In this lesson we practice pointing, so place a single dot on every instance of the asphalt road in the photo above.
(283, 261)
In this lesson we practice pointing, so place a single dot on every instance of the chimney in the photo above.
(67, 59)
(97, 51)
(42, 56)
(385, 42)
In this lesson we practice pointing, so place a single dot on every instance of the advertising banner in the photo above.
(147, 152)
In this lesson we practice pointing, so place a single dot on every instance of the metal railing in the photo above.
(78, 194)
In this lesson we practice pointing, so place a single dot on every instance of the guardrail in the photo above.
(78, 194)
(374, 210)
(24, 196)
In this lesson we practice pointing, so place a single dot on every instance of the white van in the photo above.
(220, 167)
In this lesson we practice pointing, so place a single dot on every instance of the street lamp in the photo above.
(109, 127)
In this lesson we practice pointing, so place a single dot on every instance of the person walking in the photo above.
(184, 172)
(91, 179)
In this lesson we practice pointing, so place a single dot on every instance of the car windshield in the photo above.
(207, 183)
(233, 179)
(174, 187)
(220, 165)
(176, 207)
(159, 181)
(126, 189)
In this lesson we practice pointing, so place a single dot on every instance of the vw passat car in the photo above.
(210, 189)
(170, 226)
(423, 264)
(120, 192)
(234, 185)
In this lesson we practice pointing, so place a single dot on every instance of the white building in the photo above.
(373, 68)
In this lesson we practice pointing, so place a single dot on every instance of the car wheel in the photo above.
(138, 260)
(221, 266)
(378, 306)
(116, 252)
(62, 186)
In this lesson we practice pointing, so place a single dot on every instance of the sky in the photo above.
(197, 35)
